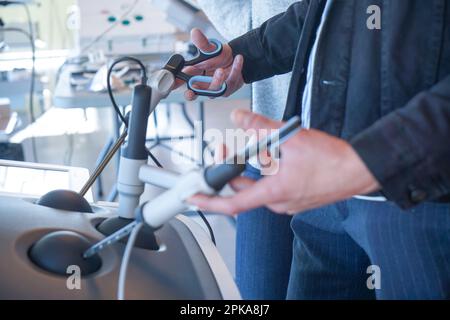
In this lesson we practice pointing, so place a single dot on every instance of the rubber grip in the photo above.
(217, 176)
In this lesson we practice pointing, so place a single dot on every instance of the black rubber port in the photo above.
(146, 238)
(58, 250)
(65, 200)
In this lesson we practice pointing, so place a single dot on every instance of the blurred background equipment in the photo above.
(138, 26)
(8, 119)
(34, 180)
(8, 123)
(185, 15)
(2, 36)
(123, 27)
(29, 34)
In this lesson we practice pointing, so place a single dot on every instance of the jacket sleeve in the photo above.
(270, 49)
(408, 151)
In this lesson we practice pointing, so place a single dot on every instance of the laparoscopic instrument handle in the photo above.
(217, 176)
(197, 83)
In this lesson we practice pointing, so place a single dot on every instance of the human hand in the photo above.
(222, 68)
(315, 169)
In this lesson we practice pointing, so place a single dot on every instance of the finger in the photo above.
(189, 95)
(235, 75)
(201, 41)
(193, 70)
(218, 79)
(204, 202)
(197, 71)
(178, 83)
(241, 183)
(280, 207)
(289, 209)
(246, 119)
(201, 85)
(262, 192)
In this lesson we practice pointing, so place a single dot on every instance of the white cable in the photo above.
(125, 261)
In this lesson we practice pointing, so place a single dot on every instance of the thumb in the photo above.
(201, 41)
(248, 120)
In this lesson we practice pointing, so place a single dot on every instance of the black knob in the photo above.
(58, 250)
(65, 200)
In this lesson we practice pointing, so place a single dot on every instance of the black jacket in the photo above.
(386, 91)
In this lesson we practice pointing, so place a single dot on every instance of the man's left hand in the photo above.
(315, 169)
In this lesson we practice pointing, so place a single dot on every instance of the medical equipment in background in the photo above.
(8, 119)
(30, 38)
(2, 36)
(6, 3)
(17, 39)
(185, 16)
(123, 27)
(135, 27)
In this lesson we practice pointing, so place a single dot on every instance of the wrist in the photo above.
(358, 177)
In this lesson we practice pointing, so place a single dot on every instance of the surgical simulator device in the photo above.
(165, 245)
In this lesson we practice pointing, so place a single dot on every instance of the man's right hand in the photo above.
(222, 68)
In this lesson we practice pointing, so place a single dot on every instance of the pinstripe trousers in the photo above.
(335, 245)
(263, 251)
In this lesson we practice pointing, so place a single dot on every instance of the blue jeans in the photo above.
(334, 246)
(263, 251)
